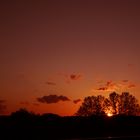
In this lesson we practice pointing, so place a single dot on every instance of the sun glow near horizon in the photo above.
(109, 114)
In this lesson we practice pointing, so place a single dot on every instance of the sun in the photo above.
(109, 114)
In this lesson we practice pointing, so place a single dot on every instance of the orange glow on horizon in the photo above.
(109, 114)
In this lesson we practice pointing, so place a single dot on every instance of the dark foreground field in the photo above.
(50, 127)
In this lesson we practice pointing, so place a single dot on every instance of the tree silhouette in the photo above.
(116, 104)
(114, 99)
(93, 105)
(128, 104)
(22, 113)
(50, 116)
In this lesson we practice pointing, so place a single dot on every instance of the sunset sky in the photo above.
(54, 53)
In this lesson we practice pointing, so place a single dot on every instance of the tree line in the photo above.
(115, 104)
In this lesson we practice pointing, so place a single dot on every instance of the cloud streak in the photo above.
(75, 76)
(131, 86)
(50, 99)
(102, 88)
(113, 86)
(71, 77)
(109, 86)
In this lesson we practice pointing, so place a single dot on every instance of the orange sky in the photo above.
(70, 49)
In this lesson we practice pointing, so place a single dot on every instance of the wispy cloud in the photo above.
(71, 77)
(75, 76)
(102, 88)
(108, 86)
(131, 86)
(52, 99)
(115, 86)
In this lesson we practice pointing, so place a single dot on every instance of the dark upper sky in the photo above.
(54, 40)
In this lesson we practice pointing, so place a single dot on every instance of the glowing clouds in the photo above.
(111, 86)
(131, 86)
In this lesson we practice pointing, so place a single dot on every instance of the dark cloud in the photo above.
(131, 86)
(52, 99)
(71, 77)
(2, 106)
(112, 86)
(102, 88)
(75, 76)
(109, 83)
(109, 86)
(50, 83)
(77, 101)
